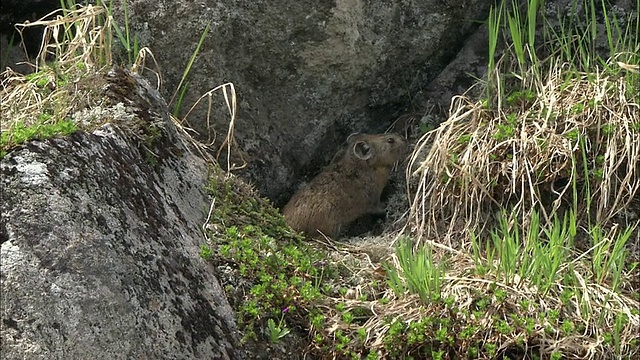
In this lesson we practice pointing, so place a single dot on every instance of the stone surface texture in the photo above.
(307, 73)
(100, 244)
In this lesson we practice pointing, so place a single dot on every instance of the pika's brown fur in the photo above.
(348, 187)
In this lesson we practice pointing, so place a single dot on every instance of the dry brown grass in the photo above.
(564, 141)
(573, 128)
(76, 48)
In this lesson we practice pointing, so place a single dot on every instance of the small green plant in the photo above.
(556, 355)
(372, 355)
(205, 252)
(420, 274)
(504, 132)
(347, 317)
(183, 85)
(609, 255)
(425, 127)
(464, 139)
(131, 46)
(277, 332)
(520, 96)
(608, 129)
(567, 327)
(490, 349)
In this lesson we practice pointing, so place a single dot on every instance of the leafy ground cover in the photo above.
(521, 236)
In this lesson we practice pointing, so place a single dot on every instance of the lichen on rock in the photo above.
(100, 246)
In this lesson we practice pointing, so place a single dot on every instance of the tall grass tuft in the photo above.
(555, 141)
(419, 273)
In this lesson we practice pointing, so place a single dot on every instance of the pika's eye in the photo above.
(391, 140)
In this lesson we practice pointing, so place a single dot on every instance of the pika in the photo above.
(350, 186)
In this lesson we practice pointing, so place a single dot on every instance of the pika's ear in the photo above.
(362, 150)
(352, 137)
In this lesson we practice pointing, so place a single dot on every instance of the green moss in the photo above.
(237, 207)
(20, 133)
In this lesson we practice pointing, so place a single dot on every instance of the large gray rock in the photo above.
(100, 243)
(308, 72)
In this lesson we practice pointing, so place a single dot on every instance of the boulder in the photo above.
(307, 73)
(101, 238)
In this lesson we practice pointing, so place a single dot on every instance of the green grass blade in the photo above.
(180, 89)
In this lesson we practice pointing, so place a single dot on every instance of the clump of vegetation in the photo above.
(19, 133)
(39, 105)
(555, 141)
(283, 274)
(68, 77)
(552, 133)
(524, 291)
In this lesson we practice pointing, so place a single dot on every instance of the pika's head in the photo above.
(377, 149)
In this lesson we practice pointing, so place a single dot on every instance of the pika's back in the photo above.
(349, 187)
